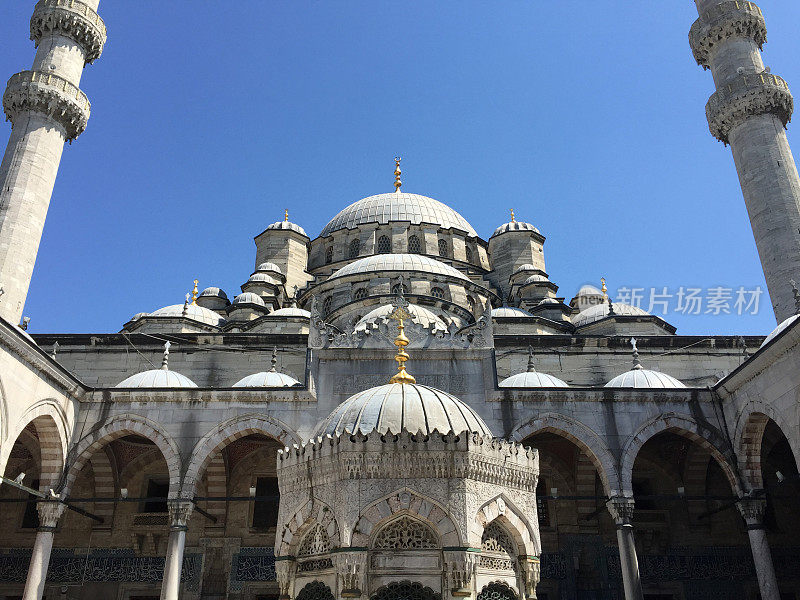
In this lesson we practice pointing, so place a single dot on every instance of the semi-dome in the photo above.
(514, 226)
(510, 311)
(290, 311)
(532, 379)
(402, 406)
(779, 329)
(269, 267)
(191, 311)
(420, 315)
(398, 262)
(395, 206)
(601, 311)
(288, 225)
(249, 298)
(158, 378)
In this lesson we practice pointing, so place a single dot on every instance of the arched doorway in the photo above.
(405, 590)
(315, 590)
(497, 590)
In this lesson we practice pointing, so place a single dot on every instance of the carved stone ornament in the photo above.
(352, 567)
(752, 509)
(531, 574)
(50, 95)
(72, 19)
(621, 509)
(724, 21)
(49, 514)
(179, 513)
(406, 533)
(746, 96)
(460, 569)
(284, 569)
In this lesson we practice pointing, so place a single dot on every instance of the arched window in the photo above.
(497, 590)
(437, 292)
(396, 289)
(315, 542)
(384, 245)
(405, 590)
(442, 247)
(329, 255)
(414, 247)
(316, 590)
(497, 549)
(355, 248)
(469, 254)
(542, 510)
(405, 533)
(360, 293)
(326, 306)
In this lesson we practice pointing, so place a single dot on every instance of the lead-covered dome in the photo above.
(645, 378)
(514, 226)
(395, 206)
(402, 406)
(510, 311)
(533, 379)
(398, 262)
(287, 225)
(779, 329)
(191, 311)
(601, 311)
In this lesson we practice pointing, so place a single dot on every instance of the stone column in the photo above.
(752, 510)
(621, 510)
(749, 110)
(46, 108)
(49, 514)
(179, 513)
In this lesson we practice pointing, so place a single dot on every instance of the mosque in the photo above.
(397, 408)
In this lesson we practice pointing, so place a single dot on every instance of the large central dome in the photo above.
(384, 208)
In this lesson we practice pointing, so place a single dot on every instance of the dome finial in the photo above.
(274, 360)
(165, 360)
(611, 312)
(603, 287)
(531, 367)
(194, 292)
(286, 215)
(513, 218)
(636, 362)
(397, 173)
(401, 341)
(185, 310)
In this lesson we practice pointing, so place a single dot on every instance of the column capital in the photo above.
(352, 567)
(621, 509)
(746, 96)
(752, 510)
(460, 567)
(724, 21)
(180, 510)
(49, 514)
(284, 573)
(73, 19)
(531, 570)
(50, 95)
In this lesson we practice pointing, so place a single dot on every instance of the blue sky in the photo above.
(209, 118)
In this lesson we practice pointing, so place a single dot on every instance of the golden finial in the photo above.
(513, 218)
(194, 292)
(286, 214)
(603, 287)
(397, 172)
(401, 341)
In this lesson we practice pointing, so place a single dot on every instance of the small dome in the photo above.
(248, 298)
(589, 290)
(514, 226)
(193, 311)
(157, 378)
(532, 379)
(421, 316)
(535, 279)
(257, 277)
(394, 206)
(645, 378)
(290, 311)
(288, 225)
(600, 311)
(269, 267)
(402, 406)
(780, 328)
(213, 292)
(510, 311)
(525, 267)
(398, 262)
(548, 301)
(267, 379)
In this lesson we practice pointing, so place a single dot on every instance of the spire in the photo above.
(185, 310)
(636, 363)
(165, 360)
(286, 215)
(274, 360)
(194, 292)
(796, 294)
(397, 173)
(401, 341)
(513, 218)
(531, 367)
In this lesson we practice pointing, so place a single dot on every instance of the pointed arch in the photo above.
(751, 421)
(502, 510)
(302, 521)
(579, 434)
(225, 433)
(687, 427)
(116, 428)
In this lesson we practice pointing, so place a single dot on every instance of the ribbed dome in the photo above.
(421, 316)
(267, 379)
(525, 267)
(269, 267)
(402, 406)
(600, 311)
(537, 278)
(777, 331)
(157, 378)
(384, 208)
(288, 225)
(532, 379)
(398, 262)
(290, 311)
(248, 298)
(644, 378)
(514, 226)
(510, 311)
(193, 311)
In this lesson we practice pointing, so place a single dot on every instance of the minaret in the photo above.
(749, 111)
(46, 108)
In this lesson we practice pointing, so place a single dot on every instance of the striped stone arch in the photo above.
(751, 422)
(217, 487)
(311, 513)
(579, 434)
(215, 440)
(513, 520)
(405, 501)
(104, 486)
(685, 426)
(51, 424)
(116, 428)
